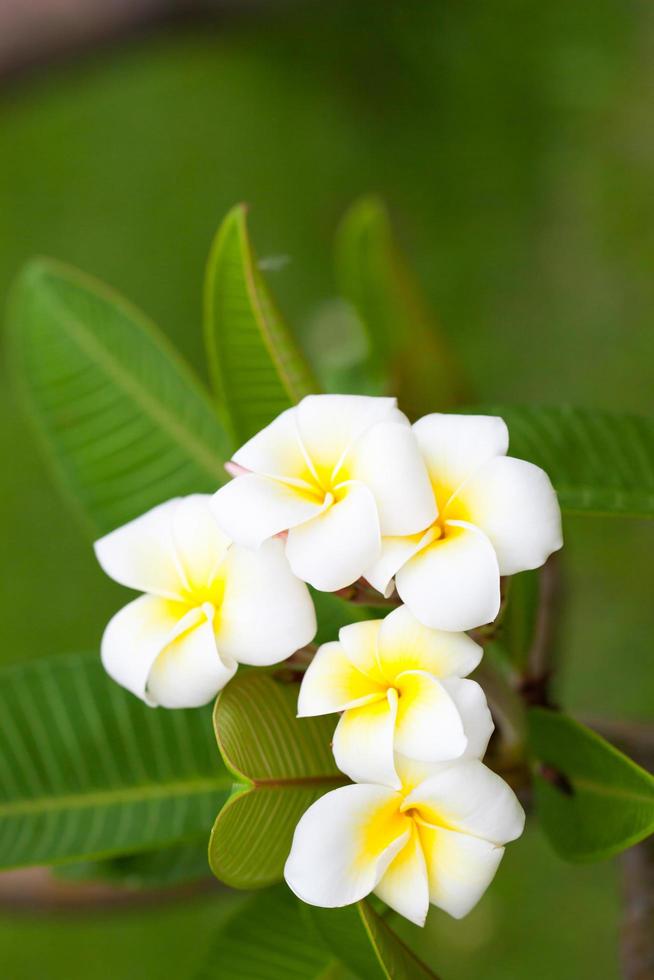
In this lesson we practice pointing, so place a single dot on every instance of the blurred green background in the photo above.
(514, 145)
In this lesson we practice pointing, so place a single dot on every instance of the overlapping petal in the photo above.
(407, 644)
(428, 725)
(252, 508)
(459, 868)
(455, 446)
(189, 672)
(470, 701)
(277, 450)
(363, 742)
(359, 642)
(332, 683)
(405, 885)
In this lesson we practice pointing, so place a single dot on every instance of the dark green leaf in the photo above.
(168, 866)
(407, 355)
(593, 801)
(121, 418)
(283, 763)
(367, 944)
(256, 367)
(599, 463)
(88, 771)
(517, 627)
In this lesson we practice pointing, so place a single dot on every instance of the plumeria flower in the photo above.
(209, 605)
(398, 684)
(496, 516)
(438, 839)
(336, 472)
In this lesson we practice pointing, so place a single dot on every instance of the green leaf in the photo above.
(122, 420)
(593, 801)
(517, 627)
(333, 612)
(168, 866)
(367, 944)
(269, 939)
(256, 366)
(599, 462)
(88, 771)
(283, 764)
(408, 356)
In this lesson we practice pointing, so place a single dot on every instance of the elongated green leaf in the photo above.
(87, 770)
(408, 356)
(593, 801)
(367, 944)
(256, 366)
(283, 764)
(599, 463)
(176, 865)
(517, 627)
(268, 938)
(121, 418)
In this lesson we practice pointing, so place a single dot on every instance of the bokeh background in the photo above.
(514, 145)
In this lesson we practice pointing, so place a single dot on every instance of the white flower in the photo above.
(496, 516)
(336, 472)
(210, 605)
(400, 688)
(438, 839)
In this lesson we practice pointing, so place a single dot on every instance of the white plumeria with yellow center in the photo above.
(399, 685)
(209, 605)
(496, 515)
(337, 472)
(438, 839)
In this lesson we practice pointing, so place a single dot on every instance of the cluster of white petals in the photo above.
(337, 489)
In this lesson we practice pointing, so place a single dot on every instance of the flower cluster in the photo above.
(337, 489)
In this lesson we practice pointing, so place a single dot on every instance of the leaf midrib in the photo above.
(125, 794)
(601, 789)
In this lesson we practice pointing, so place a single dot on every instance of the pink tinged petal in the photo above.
(141, 554)
(332, 550)
(405, 885)
(428, 726)
(454, 584)
(470, 798)
(459, 868)
(344, 843)
(470, 701)
(137, 634)
(266, 612)
(200, 545)
(515, 505)
(332, 683)
(396, 552)
(455, 446)
(253, 508)
(406, 644)
(363, 742)
(277, 450)
(329, 424)
(359, 643)
(388, 461)
(189, 672)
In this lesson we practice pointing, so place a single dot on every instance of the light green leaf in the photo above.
(593, 801)
(283, 764)
(256, 366)
(88, 771)
(121, 418)
(408, 356)
(599, 462)
(168, 866)
(269, 939)
(367, 944)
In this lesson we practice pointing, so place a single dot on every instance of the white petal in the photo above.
(454, 446)
(406, 644)
(388, 461)
(332, 550)
(200, 545)
(189, 672)
(395, 552)
(277, 450)
(405, 886)
(359, 642)
(428, 725)
(454, 584)
(136, 635)
(330, 424)
(514, 503)
(252, 508)
(344, 843)
(141, 554)
(266, 613)
(469, 797)
(460, 868)
(363, 742)
(332, 683)
(470, 701)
